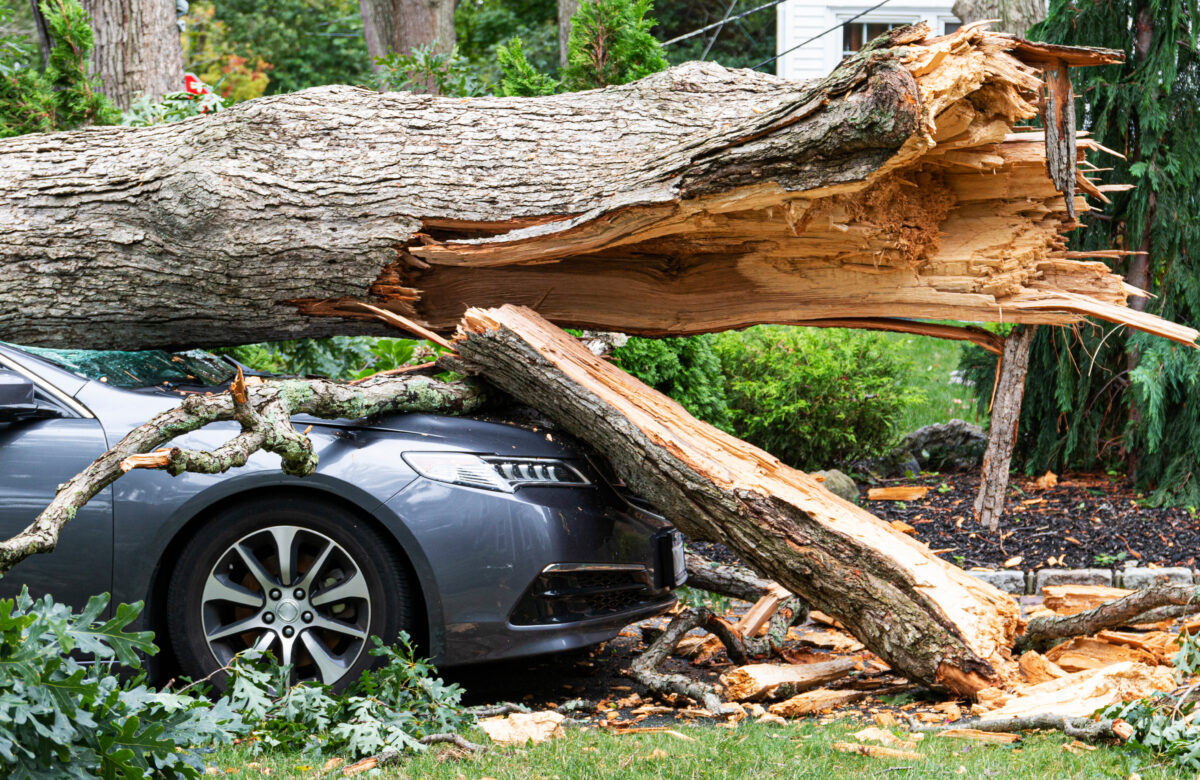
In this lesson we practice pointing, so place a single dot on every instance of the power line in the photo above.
(708, 27)
(837, 26)
(712, 40)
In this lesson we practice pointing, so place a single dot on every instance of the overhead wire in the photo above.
(820, 35)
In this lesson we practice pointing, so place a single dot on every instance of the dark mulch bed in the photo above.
(1086, 521)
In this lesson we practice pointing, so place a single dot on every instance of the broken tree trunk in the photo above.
(929, 620)
(697, 199)
(1002, 433)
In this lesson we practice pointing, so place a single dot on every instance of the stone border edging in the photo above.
(1030, 583)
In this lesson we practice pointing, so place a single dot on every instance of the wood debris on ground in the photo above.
(520, 728)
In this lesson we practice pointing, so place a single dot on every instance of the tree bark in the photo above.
(929, 620)
(726, 198)
(1015, 16)
(402, 25)
(138, 50)
(1002, 433)
(566, 9)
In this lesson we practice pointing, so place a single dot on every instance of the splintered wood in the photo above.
(758, 681)
(1080, 693)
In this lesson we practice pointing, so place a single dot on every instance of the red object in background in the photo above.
(194, 86)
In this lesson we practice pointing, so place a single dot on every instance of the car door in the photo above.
(37, 455)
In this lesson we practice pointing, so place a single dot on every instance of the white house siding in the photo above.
(799, 20)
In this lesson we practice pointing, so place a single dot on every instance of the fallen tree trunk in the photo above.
(725, 198)
(929, 620)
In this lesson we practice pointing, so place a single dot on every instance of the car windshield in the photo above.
(141, 369)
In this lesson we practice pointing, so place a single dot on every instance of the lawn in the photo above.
(934, 361)
(803, 749)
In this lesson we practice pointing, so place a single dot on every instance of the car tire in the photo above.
(232, 590)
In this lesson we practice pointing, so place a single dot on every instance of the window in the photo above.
(950, 26)
(856, 34)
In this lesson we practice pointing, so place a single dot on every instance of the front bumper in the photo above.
(537, 571)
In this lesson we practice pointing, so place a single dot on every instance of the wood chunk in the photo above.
(898, 493)
(814, 701)
(832, 640)
(753, 622)
(1082, 693)
(1161, 644)
(876, 751)
(883, 737)
(1037, 669)
(1073, 599)
(1082, 653)
(976, 735)
(904, 527)
(817, 616)
(758, 681)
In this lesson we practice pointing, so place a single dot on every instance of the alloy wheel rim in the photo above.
(291, 591)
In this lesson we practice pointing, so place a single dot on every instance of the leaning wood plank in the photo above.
(927, 619)
(696, 199)
(1082, 693)
(760, 681)
(898, 493)
(1002, 433)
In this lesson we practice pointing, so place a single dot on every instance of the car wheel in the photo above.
(305, 580)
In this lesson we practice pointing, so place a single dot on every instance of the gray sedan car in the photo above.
(483, 540)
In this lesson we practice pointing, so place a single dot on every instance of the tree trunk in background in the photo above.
(694, 200)
(566, 9)
(1002, 434)
(138, 50)
(931, 621)
(43, 35)
(1016, 16)
(401, 25)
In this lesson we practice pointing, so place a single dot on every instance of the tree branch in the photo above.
(1119, 612)
(264, 411)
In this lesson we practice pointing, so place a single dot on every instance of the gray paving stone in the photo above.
(1140, 577)
(1007, 581)
(1072, 577)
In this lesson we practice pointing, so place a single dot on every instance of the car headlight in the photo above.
(494, 472)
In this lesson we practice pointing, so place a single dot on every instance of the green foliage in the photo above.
(390, 707)
(174, 106)
(449, 73)
(58, 713)
(814, 396)
(1161, 729)
(337, 357)
(63, 96)
(1081, 384)
(210, 53)
(482, 27)
(307, 42)
(611, 43)
(520, 78)
(686, 369)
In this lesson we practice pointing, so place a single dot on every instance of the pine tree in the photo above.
(1097, 394)
(63, 96)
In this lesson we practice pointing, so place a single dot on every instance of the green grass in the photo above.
(933, 361)
(800, 750)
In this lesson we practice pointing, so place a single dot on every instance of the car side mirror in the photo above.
(16, 397)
